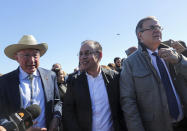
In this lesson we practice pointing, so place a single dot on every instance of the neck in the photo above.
(94, 72)
(117, 66)
(153, 49)
(152, 46)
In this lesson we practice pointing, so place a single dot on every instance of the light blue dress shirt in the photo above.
(153, 58)
(38, 94)
(101, 113)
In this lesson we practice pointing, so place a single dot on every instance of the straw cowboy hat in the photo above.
(26, 42)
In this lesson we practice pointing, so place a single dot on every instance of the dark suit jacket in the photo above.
(10, 101)
(77, 109)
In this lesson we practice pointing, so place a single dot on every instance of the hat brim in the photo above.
(11, 50)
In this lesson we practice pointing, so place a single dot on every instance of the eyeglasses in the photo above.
(86, 53)
(27, 56)
(152, 28)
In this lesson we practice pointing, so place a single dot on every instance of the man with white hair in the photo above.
(29, 84)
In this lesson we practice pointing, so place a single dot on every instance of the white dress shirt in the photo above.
(38, 94)
(101, 113)
(153, 58)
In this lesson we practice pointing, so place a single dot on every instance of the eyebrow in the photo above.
(85, 51)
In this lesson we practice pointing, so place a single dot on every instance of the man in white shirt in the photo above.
(91, 102)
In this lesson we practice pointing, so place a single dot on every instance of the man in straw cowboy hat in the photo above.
(29, 84)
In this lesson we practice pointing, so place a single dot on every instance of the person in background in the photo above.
(179, 46)
(130, 50)
(117, 62)
(57, 68)
(112, 66)
(106, 67)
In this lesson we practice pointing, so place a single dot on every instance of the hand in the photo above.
(177, 46)
(36, 129)
(2, 128)
(54, 124)
(168, 55)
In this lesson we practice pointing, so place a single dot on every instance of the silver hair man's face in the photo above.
(151, 34)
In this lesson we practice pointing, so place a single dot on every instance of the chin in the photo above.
(157, 42)
(31, 71)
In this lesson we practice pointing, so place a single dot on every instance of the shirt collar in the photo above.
(150, 51)
(23, 74)
(99, 76)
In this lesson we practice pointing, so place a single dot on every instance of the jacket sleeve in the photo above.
(128, 100)
(185, 52)
(57, 108)
(69, 115)
(3, 114)
(181, 67)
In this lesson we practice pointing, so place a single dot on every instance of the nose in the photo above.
(31, 59)
(157, 29)
(83, 56)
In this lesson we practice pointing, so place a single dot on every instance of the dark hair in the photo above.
(56, 64)
(111, 65)
(140, 24)
(182, 43)
(116, 58)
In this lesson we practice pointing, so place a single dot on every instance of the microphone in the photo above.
(22, 119)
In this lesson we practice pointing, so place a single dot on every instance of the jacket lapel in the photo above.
(85, 95)
(149, 61)
(85, 87)
(106, 77)
(45, 83)
(106, 80)
(143, 51)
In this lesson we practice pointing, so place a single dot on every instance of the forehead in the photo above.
(148, 23)
(118, 60)
(56, 65)
(28, 51)
(87, 46)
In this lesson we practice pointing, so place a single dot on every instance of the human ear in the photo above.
(140, 36)
(99, 56)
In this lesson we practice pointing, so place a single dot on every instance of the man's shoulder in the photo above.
(110, 73)
(135, 57)
(8, 79)
(46, 71)
(9, 75)
(75, 75)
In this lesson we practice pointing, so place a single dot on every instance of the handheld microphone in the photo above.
(22, 119)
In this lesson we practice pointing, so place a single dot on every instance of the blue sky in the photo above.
(64, 24)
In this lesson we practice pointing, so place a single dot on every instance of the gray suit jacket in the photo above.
(10, 99)
(143, 98)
